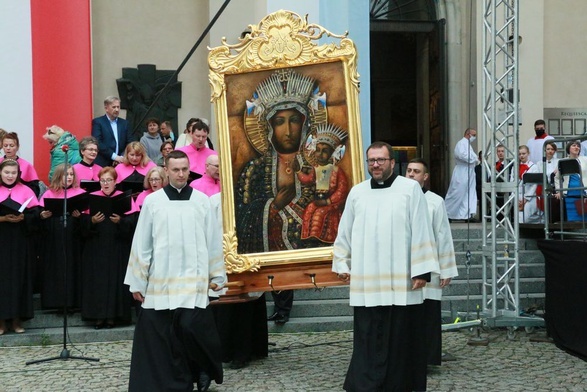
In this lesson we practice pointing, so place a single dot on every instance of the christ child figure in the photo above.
(322, 215)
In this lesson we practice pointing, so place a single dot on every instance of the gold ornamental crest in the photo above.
(281, 39)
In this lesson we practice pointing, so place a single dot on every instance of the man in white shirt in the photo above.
(536, 144)
(418, 171)
(461, 197)
(385, 248)
(176, 256)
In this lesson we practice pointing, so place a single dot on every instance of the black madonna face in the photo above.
(287, 130)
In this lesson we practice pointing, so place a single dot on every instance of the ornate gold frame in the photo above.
(281, 40)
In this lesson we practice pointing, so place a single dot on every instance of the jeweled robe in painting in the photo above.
(261, 227)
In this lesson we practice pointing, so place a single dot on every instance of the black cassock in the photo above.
(243, 329)
(52, 263)
(104, 261)
(16, 283)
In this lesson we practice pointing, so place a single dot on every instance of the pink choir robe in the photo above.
(85, 172)
(123, 171)
(141, 197)
(51, 194)
(206, 185)
(18, 253)
(27, 171)
(197, 157)
(20, 193)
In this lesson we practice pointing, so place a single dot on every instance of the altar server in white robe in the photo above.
(385, 248)
(528, 211)
(461, 197)
(418, 171)
(176, 256)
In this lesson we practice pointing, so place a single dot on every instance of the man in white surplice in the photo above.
(176, 256)
(418, 171)
(385, 248)
(461, 197)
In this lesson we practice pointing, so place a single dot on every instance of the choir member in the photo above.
(135, 165)
(154, 180)
(87, 169)
(28, 174)
(105, 298)
(18, 214)
(57, 271)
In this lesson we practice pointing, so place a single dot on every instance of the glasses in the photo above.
(91, 149)
(106, 180)
(380, 161)
(155, 179)
(211, 164)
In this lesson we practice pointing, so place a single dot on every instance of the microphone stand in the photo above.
(65, 353)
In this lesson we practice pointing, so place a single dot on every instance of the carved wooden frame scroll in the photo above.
(278, 66)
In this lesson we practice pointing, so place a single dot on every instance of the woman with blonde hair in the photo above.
(135, 165)
(155, 179)
(56, 239)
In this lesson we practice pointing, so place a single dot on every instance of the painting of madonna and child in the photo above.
(291, 164)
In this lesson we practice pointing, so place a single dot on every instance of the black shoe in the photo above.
(273, 317)
(204, 382)
(281, 319)
(236, 364)
(99, 325)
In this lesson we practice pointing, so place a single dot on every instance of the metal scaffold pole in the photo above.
(501, 280)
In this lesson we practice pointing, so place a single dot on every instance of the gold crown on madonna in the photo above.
(285, 86)
(330, 134)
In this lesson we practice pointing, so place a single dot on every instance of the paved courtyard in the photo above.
(313, 362)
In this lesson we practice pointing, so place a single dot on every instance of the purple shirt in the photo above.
(206, 185)
(197, 157)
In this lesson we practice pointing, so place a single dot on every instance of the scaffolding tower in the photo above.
(501, 119)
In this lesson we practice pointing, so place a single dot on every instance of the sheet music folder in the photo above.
(79, 202)
(11, 207)
(133, 186)
(118, 204)
(90, 186)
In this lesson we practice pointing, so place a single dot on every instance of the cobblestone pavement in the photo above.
(313, 362)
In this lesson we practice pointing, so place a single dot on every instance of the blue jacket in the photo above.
(102, 131)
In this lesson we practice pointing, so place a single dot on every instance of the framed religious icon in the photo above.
(290, 148)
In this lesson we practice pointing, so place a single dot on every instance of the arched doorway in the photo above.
(408, 83)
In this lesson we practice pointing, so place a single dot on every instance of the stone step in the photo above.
(313, 324)
(327, 309)
(78, 334)
(321, 307)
